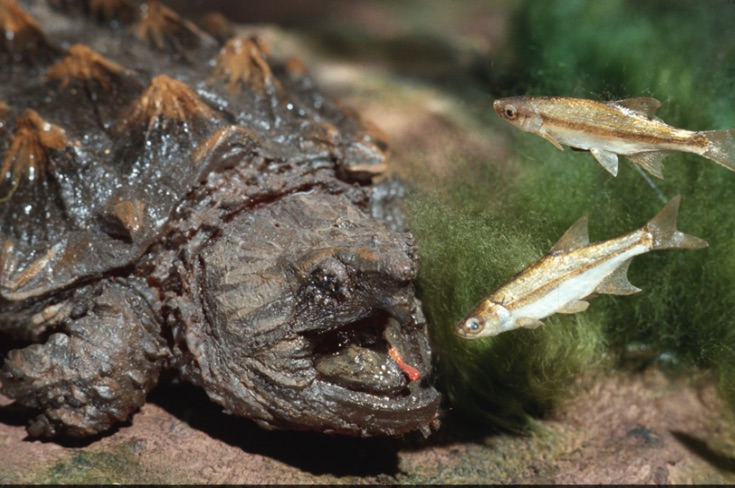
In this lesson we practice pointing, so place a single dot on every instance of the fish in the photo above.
(626, 127)
(574, 270)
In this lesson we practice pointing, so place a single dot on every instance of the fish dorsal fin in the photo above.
(575, 237)
(650, 161)
(644, 105)
(617, 282)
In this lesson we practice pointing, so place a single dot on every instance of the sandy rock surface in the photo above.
(641, 429)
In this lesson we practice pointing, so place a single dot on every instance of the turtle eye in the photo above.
(329, 285)
(510, 112)
(326, 284)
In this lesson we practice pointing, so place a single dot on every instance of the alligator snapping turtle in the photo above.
(170, 202)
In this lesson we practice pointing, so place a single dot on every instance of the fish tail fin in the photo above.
(664, 234)
(721, 147)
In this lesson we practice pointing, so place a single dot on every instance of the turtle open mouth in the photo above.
(372, 355)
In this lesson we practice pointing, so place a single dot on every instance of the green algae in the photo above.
(483, 226)
(119, 465)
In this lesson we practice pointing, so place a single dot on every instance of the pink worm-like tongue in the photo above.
(412, 373)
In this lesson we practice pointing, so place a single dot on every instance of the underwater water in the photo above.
(487, 223)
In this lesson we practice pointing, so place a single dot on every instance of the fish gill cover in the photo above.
(484, 226)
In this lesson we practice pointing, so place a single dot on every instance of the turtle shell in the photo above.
(107, 127)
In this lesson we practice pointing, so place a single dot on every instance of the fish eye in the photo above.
(510, 111)
(473, 326)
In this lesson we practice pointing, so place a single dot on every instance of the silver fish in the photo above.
(573, 270)
(608, 129)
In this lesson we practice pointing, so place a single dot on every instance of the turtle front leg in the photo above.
(96, 372)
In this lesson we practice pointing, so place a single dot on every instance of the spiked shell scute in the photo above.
(83, 64)
(166, 101)
(29, 155)
(21, 38)
(164, 30)
(243, 62)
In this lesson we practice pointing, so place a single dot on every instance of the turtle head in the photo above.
(309, 321)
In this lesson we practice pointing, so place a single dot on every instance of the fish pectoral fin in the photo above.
(551, 140)
(650, 161)
(529, 323)
(575, 237)
(643, 105)
(617, 282)
(574, 307)
(607, 159)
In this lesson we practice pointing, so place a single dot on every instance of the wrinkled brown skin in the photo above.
(222, 230)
